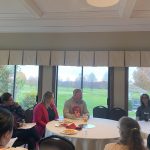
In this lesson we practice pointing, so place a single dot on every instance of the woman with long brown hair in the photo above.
(130, 136)
(143, 111)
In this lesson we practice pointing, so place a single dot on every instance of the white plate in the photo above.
(88, 126)
(69, 131)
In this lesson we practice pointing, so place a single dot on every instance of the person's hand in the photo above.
(16, 104)
(77, 114)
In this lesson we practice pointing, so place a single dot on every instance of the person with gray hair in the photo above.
(130, 136)
(75, 107)
(40, 112)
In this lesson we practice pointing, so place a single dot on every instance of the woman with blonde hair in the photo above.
(130, 136)
(40, 113)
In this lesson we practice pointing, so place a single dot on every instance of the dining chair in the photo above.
(117, 113)
(29, 115)
(147, 142)
(55, 142)
(100, 112)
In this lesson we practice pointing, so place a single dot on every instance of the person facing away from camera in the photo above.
(6, 127)
(75, 107)
(130, 136)
(143, 111)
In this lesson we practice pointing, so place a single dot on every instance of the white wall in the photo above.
(77, 41)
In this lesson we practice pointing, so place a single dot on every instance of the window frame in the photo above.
(110, 95)
(14, 69)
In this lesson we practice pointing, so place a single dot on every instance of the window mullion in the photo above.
(14, 83)
(82, 77)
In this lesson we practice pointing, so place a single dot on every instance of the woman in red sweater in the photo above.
(40, 112)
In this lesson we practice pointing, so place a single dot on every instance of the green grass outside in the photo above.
(132, 114)
(93, 97)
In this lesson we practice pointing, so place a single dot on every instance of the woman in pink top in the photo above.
(40, 113)
(130, 136)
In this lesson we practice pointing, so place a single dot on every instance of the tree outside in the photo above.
(25, 87)
(139, 83)
(141, 78)
(6, 79)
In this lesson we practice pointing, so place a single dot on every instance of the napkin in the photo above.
(71, 126)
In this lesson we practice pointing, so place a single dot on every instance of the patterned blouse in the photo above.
(115, 146)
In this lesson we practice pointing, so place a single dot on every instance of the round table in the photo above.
(145, 128)
(105, 131)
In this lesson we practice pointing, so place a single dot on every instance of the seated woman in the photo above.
(130, 136)
(143, 111)
(40, 112)
(52, 111)
(24, 136)
(6, 127)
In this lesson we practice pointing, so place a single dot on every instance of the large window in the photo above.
(95, 86)
(6, 79)
(92, 80)
(21, 81)
(139, 83)
(26, 86)
(69, 78)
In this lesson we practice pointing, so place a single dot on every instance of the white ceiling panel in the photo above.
(73, 16)
(57, 5)
(69, 6)
(141, 9)
(12, 6)
(142, 5)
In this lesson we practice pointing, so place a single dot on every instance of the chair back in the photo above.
(55, 142)
(29, 115)
(100, 112)
(117, 113)
(1, 101)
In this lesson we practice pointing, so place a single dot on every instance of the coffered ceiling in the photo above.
(73, 16)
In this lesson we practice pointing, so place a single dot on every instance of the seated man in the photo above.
(25, 136)
(75, 107)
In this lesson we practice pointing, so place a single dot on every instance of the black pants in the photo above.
(26, 136)
(148, 141)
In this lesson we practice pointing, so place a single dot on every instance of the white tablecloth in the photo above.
(145, 128)
(105, 131)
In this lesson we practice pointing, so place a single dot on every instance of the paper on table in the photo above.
(16, 148)
(11, 142)
(27, 125)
